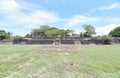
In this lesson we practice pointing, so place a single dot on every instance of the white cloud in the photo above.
(77, 31)
(110, 7)
(33, 17)
(79, 19)
(112, 20)
(104, 30)
(8, 6)
(16, 13)
(19, 32)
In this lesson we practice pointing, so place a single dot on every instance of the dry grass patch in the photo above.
(41, 73)
(60, 49)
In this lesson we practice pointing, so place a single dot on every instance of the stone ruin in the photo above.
(59, 40)
(49, 40)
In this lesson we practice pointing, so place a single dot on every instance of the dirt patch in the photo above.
(41, 73)
(12, 75)
(25, 66)
(65, 69)
(89, 75)
(60, 49)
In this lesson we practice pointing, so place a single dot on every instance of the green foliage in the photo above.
(82, 34)
(28, 35)
(105, 39)
(46, 31)
(2, 31)
(115, 32)
(4, 34)
(98, 37)
(17, 38)
(52, 32)
(89, 30)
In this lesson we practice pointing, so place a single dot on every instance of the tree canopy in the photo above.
(4, 34)
(115, 32)
(47, 31)
(89, 31)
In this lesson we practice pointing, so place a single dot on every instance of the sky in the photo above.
(21, 16)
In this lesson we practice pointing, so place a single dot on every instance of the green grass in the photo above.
(65, 61)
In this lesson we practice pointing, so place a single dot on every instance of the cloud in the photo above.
(18, 31)
(110, 7)
(79, 19)
(111, 20)
(104, 30)
(8, 6)
(20, 17)
(24, 15)
(34, 16)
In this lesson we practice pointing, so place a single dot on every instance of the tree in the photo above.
(40, 32)
(35, 33)
(43, 30)
(69, 32)
(28, 35)
(82, 34)
(52, 32)
(47, 31)
(115, 32)
(4, 34)
(89, 30)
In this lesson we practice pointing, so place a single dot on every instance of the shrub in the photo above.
(17, 40)
(4, 36)
(107, 39)
(115, 32)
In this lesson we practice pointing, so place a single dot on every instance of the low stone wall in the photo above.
(6, 41)
(40, 41)
(62, 40)
(117, 40)
(67, 41)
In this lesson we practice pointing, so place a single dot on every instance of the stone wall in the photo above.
(6, 41)
(62, 40)
(40, 41)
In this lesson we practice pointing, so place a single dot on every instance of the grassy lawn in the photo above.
(61, 61)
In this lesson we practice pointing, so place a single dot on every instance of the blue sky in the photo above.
(21, 16)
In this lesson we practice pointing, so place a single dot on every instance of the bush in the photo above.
(107, 40)
(17, 40)
(4, 36)
(115, 32)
